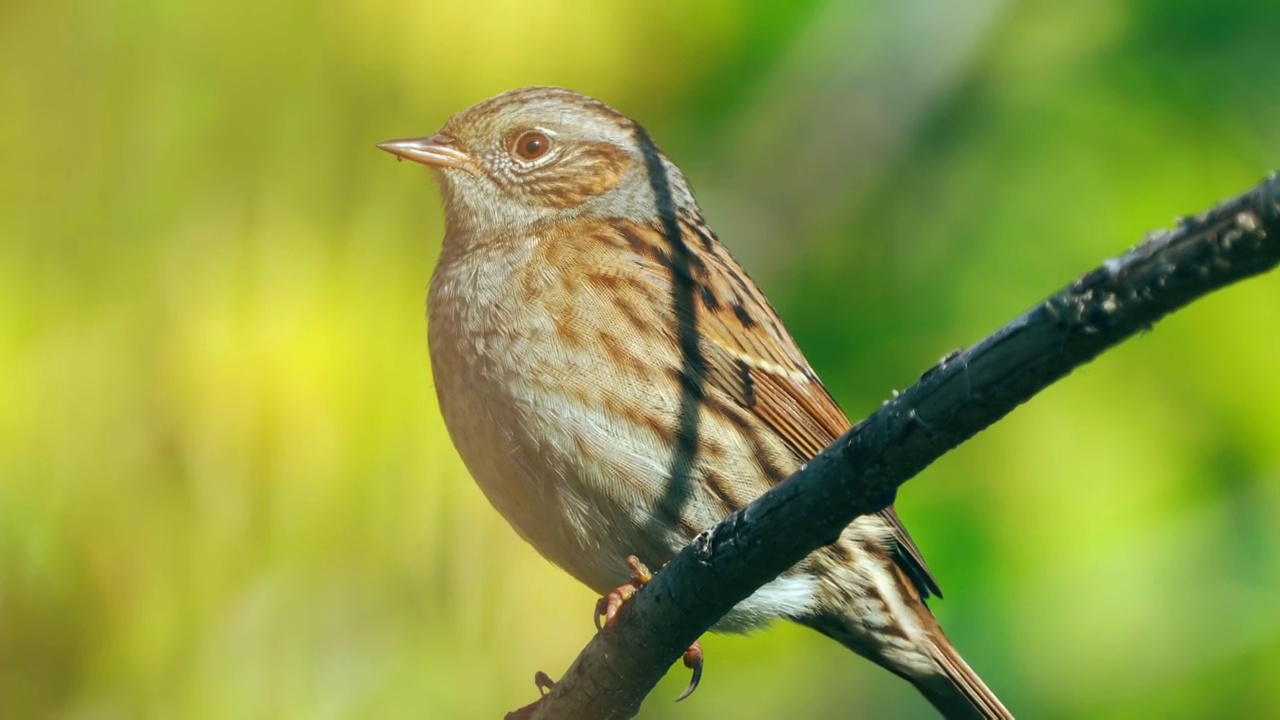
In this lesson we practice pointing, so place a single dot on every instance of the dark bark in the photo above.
(860, 473)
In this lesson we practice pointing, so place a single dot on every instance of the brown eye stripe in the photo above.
(579, 172)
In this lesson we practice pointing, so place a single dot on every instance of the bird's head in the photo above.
(543, 153)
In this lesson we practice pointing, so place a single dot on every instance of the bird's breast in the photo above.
(569, 446)
(564, 388)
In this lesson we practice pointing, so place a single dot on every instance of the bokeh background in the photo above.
(225, 489)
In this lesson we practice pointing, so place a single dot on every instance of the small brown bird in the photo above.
(616, 383)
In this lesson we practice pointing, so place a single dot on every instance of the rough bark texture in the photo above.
(859, 473)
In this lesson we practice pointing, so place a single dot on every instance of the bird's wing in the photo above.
(750, 356)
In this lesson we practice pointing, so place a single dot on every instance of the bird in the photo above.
(615, 383)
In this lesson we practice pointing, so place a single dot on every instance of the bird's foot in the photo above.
(608, 606)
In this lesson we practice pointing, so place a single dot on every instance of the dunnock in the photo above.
(616, 383)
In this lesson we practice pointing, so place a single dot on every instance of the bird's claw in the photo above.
(693, 661)
(608, 606)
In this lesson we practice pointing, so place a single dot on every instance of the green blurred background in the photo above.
(225, 489)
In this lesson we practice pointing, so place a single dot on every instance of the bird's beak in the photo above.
(438, 151)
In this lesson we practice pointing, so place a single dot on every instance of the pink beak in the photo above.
(438, 151)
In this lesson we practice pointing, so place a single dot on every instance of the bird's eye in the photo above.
(532, 145)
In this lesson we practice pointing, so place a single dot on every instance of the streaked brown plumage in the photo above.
(616, 383)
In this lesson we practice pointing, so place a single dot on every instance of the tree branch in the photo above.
(860, 473)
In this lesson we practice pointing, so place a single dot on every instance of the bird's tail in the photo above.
(926, 659)
(957, 692)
